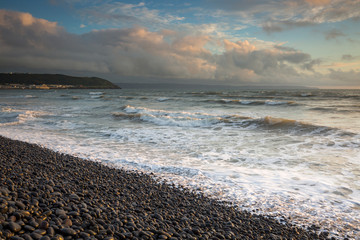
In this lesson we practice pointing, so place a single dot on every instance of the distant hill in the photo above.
(28, 79)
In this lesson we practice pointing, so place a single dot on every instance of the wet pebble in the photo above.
(68, 231)
(47, 195)
(44, 225)
(14, 227)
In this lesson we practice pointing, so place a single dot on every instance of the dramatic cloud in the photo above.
(30, 42)
(33, 44)
(23, 30)
(243, 62)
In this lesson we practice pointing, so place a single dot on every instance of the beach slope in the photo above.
(48, 195)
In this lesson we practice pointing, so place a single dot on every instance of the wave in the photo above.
(126, 97)
(354, 109)
(30, 96)
(97, 96)
(254, 102)
(345, 94)
(168, 118)
(199, 119)
(11, 116)
(232, 95)
(96, 93)
(270, 102)
(323, 109)
(314, 95)
(8, 118)
(202, 94)
(291, 125)
(163, 99)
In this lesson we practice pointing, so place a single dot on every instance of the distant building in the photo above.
(44, 86)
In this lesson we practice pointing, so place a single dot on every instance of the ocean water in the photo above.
(292, 154)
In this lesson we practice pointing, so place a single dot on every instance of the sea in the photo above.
(290, 154)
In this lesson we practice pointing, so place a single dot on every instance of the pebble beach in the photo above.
(50, 195)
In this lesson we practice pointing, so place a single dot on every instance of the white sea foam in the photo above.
(198, 119)
(169, 118)
(306, 94)
(305, 197)
(21, 115)
(163, 99)
(246, 102)
(282, 161)
(271, 102)
(97, 96)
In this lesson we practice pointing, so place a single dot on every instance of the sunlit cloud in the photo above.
(342, 65)
(31, 43)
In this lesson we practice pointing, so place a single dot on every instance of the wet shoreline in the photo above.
(49, 195)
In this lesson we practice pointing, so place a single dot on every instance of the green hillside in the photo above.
(55, 79)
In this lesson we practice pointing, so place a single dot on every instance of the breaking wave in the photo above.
(11, 116)
(200, 119)
(253, 102)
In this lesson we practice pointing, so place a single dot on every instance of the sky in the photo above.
(312, 43)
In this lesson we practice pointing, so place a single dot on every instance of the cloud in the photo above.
(333, 34)
(280, 15)
(318, 2)
(271, 26)
(243, 62)
(37, 44)
(348, 57)
(353, 41)
(29, 42)
(23, 30)
(124, 14)
(311, 13)
(339, 77)
(310, 65)
(32, 44)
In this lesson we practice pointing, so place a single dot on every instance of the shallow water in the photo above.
(285, 153)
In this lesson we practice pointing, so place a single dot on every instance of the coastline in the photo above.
(49, 195)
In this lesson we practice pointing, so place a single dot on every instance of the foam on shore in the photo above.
(58, 196)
